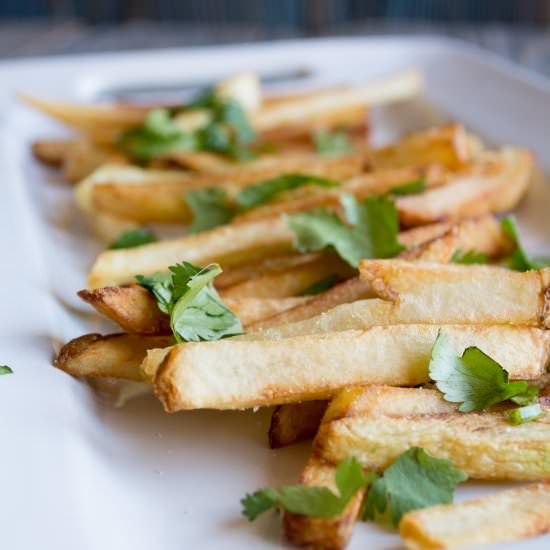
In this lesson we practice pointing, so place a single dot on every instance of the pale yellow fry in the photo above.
(505, 516)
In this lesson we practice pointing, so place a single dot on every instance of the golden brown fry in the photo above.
(292, 281)
(147, 195)
(324, 533)
(131, 307)
(51, 151)
(228, 245)
(362, 186)
(295, 422)
(455, 293)
(505, 516)
(314, 110)
(376, 424)
(264, 372)
(116, 355)
(251, 310)
(447, 146)
(495, 183)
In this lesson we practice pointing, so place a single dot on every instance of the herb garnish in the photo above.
(333, 143)
(132, 238)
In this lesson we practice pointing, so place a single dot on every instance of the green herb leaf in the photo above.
(263, 191)
(373, 233)
(521, 415)
(331, 144)
(415, 480)
(157, 136)
(210, 208)
(310, 501)
(4, 369)
(410, 188)
(519, 260)
(321, 286)
(470, 257)
(132, 238)
(195, 308)
(474, 380)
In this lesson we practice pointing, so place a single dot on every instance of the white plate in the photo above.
(74, 471)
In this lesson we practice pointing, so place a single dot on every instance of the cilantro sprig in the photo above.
(196, 310)
(474, 380)
(469, 257)
(410, 188)
(228, 132)
(415, 480)
(4, 369)
(133, 238)
(519, 260)
(371, 231)
(332, 143)
(211, 206)
(314, 501)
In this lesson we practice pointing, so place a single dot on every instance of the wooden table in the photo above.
(527, 45)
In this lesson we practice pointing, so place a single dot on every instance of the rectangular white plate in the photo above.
(76, 472)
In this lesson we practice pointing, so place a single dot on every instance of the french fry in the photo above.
(441, 241)
(505, 516)
(361, 187)
(327, 533)
(135, 310)
(495, 183)
(147, 195)
(447, 146)
(116, 355)
(131, 307)
(228, 245)
(292, 281)
(295, 422)
(51, 151)
(376, 424)
(264, 372)
(314, 110)
(455, 293)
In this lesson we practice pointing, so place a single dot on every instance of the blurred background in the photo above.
(517, 29)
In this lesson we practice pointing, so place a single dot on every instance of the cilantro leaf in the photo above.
(132, 238)
(469, 257)
(314, 501)
(263, 191)
(330, 144)
(195, 308)
(210, 208)
(410, 188)
(474, 380)
(4, 369)
(157, 135)
(521, 415)
(373, 233)
(519, 260)
(415, 480)
(321, 286)
(227, 132)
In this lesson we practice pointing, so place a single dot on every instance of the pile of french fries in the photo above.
(345, 366)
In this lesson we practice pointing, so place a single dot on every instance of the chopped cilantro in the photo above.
(469, 257)
(372, 231)
(519, 260)
(4, 369)
(415, 480)
(263, 191)
(210, 208)
(331, 144)
(410, 188)
(314, 501)
(132, 238)
(521, 415)
(195, 308)
(474, 380)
